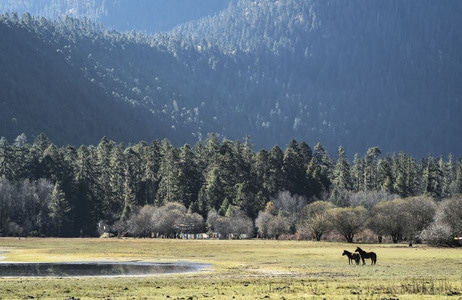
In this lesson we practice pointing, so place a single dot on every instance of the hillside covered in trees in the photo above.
(226, 188)
(355, 74)
(122, 15)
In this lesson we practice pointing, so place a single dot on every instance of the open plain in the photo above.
(239, 269)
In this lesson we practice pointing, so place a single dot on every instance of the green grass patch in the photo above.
(247, 269)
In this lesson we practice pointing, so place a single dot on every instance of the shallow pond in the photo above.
(76, 269)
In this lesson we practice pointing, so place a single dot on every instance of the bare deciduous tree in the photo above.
(402, 218)
(447, 224)
(262, 223)
(277, 226)
(348, 221)
(316, 219)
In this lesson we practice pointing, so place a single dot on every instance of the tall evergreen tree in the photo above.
(326, 165)
(432, 177)
(456, 185)
(244, 158)
(228, 162)
(103, 171)
(342, 174)
(83, 201)
(294, 170)
(59, 208)
(151, 157)
(357, 173)
(52, 163)
(261, 172)
(212, 193)
(314, 180)
(405, 174)
(132, 178)
(306, 152)
(385, 178)
(190, 179)
(447, 171)
(370, 168)
(7, 159)
(169, 175)
(275, 181)
(117, 180)
(25, 166)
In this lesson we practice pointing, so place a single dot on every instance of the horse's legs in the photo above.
(373, 259)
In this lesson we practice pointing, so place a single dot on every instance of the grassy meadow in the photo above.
(240, 269)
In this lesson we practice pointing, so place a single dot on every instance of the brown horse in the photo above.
(365, 254)
(351, 256)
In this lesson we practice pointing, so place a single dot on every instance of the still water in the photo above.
(75, 269)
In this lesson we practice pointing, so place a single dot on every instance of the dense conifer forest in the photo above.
(225, 187)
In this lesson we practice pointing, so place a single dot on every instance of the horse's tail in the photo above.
(375, 258)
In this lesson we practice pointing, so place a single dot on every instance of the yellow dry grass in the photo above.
(240, 269)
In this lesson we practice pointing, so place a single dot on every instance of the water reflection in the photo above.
(95, 269)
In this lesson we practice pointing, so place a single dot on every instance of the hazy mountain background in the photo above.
(351, 73)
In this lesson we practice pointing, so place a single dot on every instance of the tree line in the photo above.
(225, 187)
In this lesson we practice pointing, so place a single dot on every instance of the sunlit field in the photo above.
(240, 269)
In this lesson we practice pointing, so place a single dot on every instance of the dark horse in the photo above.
(365, 254)
(351, 256)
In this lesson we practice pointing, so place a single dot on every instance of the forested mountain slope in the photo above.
(122, 15)
(44, 89)
(357, 74)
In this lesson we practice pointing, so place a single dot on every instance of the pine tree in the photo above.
(324, 161)
(261, 172)
(431, 178)
(132, 176)
(342, 174)
(385, 178)
(103, 171)
(275, 182)
(294, 170)
(151, 158)
(405, 173)
(456, 185)
(212, 194)
(52, 163)
(7, 159)
(314, 180)
(370, 168)
(447, 170)
(117, 180)
(83, 199)
(58, 208)
(190, 179)
(169, 183)
(357, 173)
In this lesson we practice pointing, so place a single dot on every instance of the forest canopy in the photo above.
(221, 186)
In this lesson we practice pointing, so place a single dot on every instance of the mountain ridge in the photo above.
(122, 15)
(327, 78)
